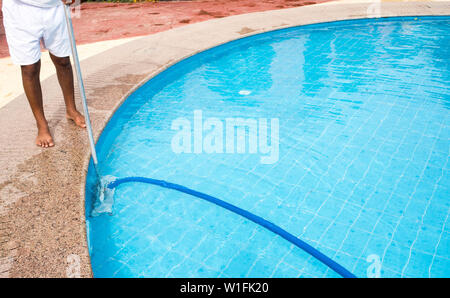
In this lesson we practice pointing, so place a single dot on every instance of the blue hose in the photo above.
(255, 218)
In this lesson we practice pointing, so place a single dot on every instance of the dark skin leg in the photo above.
(32, 88)
(65, 78)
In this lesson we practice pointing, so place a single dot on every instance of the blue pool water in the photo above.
(361, 171)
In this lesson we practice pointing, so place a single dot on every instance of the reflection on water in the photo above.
(363, 166)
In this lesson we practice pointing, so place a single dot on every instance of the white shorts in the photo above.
(26, 26)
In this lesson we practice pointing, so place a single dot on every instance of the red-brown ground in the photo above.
(106, 21)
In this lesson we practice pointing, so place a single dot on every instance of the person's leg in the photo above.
(65, 78)
(23, 28)
(32, 88)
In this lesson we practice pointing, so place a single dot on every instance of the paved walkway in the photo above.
(110, 24)
(107, 21)
(42, 222)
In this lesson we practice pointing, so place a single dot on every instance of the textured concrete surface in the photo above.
(100, 26)
(42, 190)
(10, 75)
(106, 21)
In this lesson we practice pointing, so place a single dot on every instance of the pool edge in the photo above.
(386, 15)
(32, 254)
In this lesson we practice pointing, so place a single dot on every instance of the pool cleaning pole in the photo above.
(80, 82)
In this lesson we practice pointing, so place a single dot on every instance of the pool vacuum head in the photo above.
(105, 202)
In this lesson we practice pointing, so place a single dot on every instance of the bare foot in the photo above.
(76, 117)
(44, 138)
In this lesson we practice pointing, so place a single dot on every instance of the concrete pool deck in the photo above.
(42, 222)
(101, 26)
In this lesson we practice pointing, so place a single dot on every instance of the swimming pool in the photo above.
(345, 145)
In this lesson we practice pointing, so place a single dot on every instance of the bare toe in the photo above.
(76, 117)
(44, 138)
